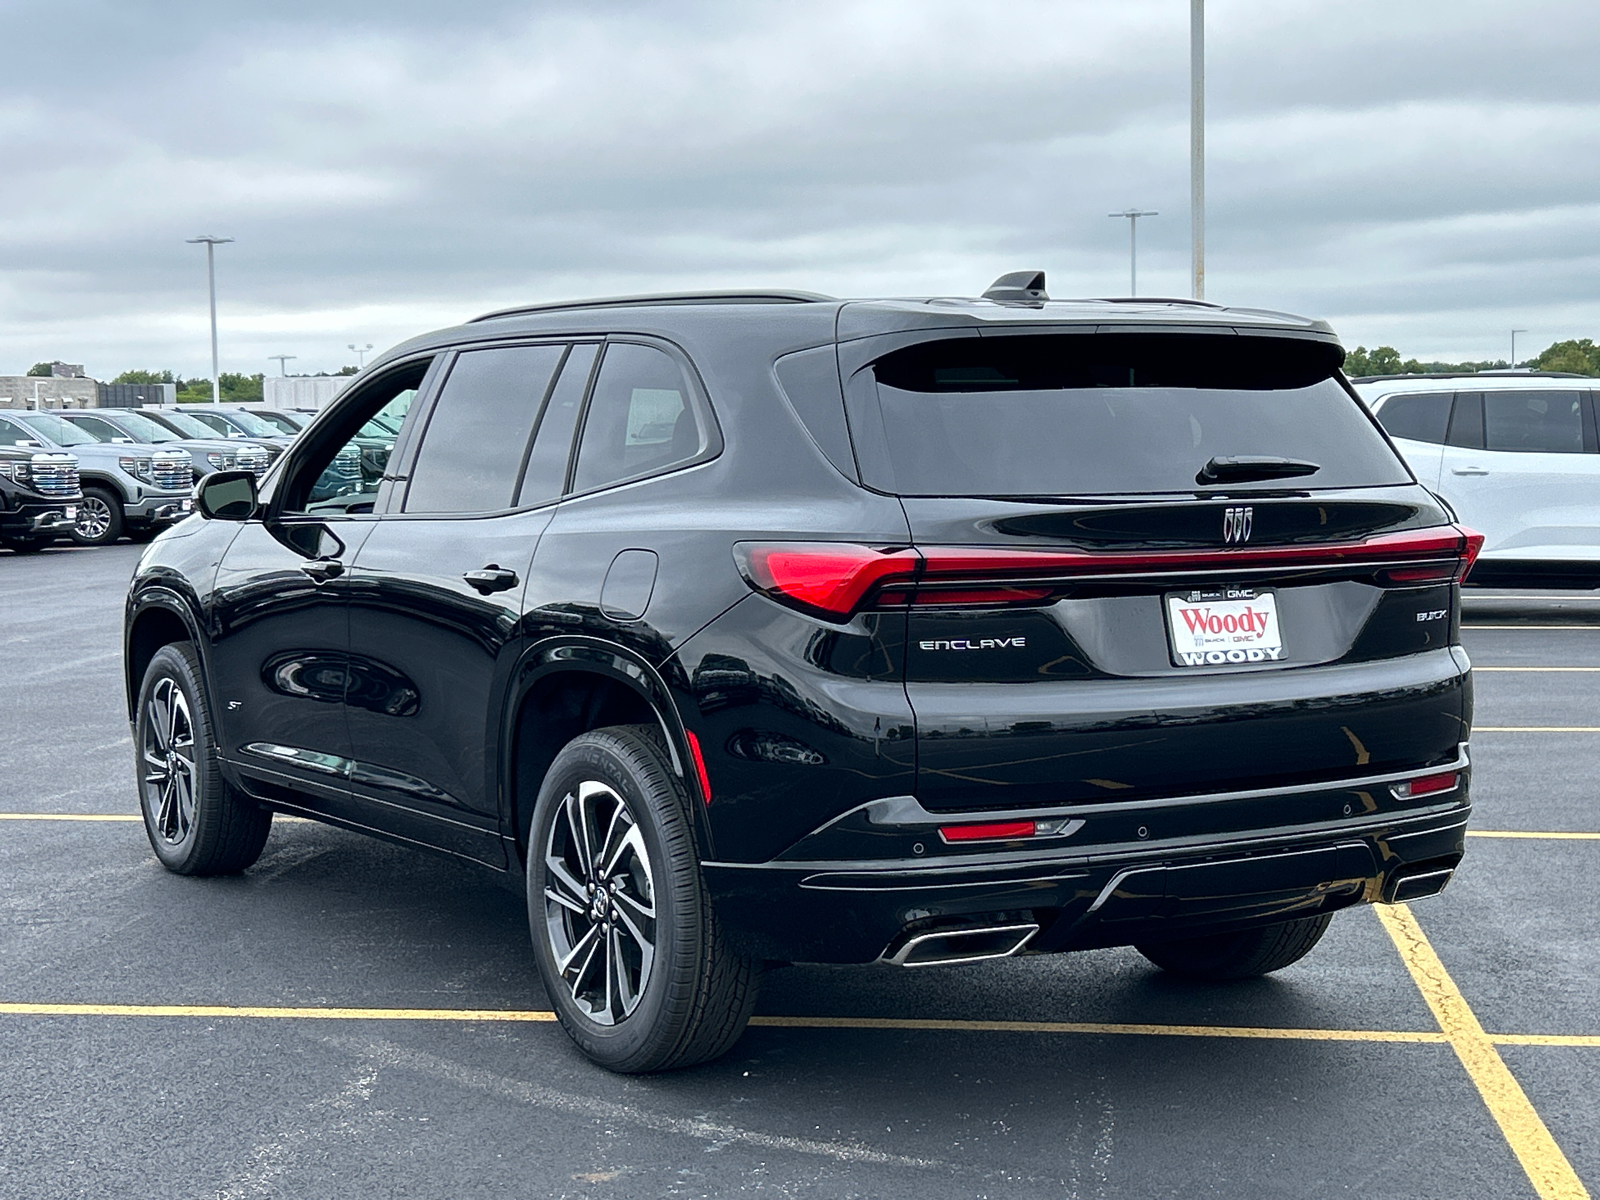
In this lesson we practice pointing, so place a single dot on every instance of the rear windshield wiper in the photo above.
(1241, 468)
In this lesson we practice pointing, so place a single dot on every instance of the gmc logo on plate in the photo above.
(1236, 524)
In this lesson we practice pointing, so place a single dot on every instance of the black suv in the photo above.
(751, 629)
(39, 497)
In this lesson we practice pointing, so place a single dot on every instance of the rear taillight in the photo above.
(830, 579)
(837, 579)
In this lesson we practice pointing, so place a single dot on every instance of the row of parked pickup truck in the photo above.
(97, 475)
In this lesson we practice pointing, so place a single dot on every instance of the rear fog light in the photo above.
(1005, 831)
(1427, 785)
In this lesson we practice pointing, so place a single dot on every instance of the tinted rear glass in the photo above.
(1076, 414)
(1421, 417)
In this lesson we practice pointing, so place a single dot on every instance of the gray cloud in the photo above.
(1423, 174)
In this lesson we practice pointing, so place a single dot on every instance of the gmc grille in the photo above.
(172, 473)
(55, 476)
(253, 460)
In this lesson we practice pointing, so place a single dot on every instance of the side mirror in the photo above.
(227, 496)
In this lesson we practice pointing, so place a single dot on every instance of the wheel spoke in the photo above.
(578, 837)
(613, 982)
(556, 896)
(563, 878)
(633, 912)
(166, 817)
(633, 841)
(583, 943)
(619, 814)
(159, 718)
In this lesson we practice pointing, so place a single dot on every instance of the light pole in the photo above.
(280, 359)
(1514, 333)
(362, 351)
(211, 244)
(1197, 145)
(1133, 215)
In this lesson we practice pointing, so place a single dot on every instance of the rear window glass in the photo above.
(1075, 414)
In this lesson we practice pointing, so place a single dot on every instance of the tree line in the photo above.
(1579, 356)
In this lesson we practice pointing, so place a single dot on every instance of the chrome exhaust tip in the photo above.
(942, 947)
(1406, 886)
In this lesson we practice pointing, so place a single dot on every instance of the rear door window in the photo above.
(1539, 422)
(641, 419)
(1098, 414)
(1420, 417)
(478, 432)
(545, 476)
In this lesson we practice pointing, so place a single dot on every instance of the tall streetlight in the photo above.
(1514, 333)
(281, 359)
(1133, 215)
(362, 351)
(1197, 145)
(211, 244)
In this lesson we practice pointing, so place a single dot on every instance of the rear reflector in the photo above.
(995, 831)
(837, 579)
(1426, 785)
(699, 765)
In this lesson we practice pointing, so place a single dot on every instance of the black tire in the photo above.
(1242, 955)
(691, 995)
(27, 545)
(197, 824)
(99, 517)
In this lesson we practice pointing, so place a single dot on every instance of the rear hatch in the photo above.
(1155, 564)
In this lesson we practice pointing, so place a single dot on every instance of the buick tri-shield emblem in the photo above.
(1236, 524)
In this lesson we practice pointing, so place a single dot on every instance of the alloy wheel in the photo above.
(94, 518)
(600, 903)
(167, 752)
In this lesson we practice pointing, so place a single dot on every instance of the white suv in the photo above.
(1517, 456)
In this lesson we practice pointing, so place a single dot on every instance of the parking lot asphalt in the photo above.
(349, 1018)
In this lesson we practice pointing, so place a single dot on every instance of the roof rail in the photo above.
(1156, 300)
(659, 298)
(1469, 375)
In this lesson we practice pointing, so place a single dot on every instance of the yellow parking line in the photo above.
(1548, 1170)
(1536, 729)
(1519, 833)
(909, 1024)
(1587, 1040)
(1101, 1027)
(274, 1013)
(779, 1022)
(67, 817)
(1475, 625)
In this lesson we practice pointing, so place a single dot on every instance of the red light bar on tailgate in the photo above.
(837, 579)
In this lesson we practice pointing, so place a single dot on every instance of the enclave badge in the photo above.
(1236, 524)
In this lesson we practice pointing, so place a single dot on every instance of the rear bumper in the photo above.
(1330, 847)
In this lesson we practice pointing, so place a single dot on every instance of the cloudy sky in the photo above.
(1424, 173)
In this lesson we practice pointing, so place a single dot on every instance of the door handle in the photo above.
(323, 569)
(492, 578)
(1468, 471)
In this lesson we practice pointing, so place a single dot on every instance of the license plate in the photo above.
(185, 504)
(71, 511)
(1221, 627)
